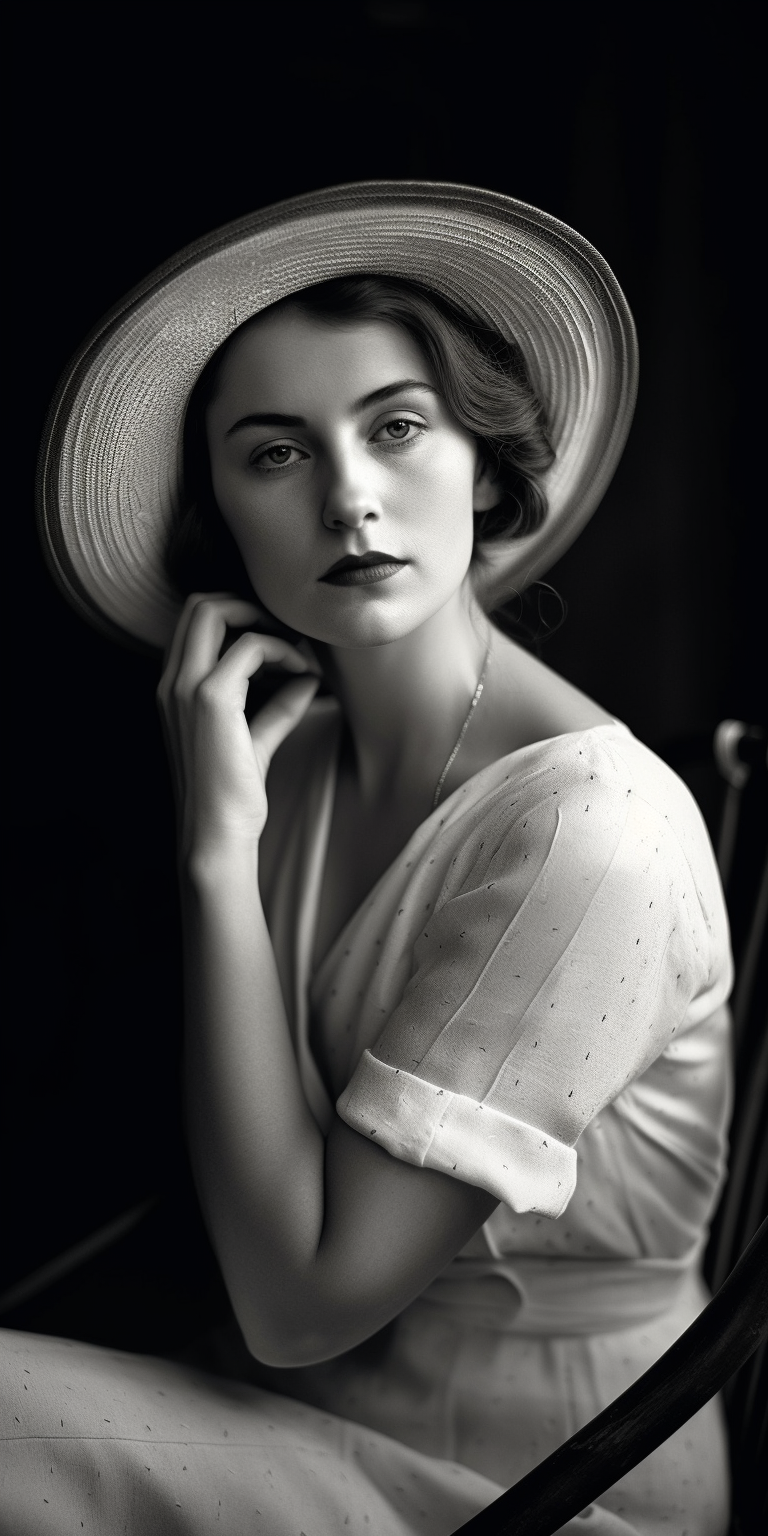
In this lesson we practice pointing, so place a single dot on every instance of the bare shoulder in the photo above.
(525, 702)
(546, 703)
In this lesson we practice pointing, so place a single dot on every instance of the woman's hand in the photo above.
(218, 761)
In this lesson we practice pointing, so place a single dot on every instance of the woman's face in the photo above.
(329, 443)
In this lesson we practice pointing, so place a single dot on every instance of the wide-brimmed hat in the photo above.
(109, 478)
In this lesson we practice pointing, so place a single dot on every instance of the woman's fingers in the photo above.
(219, 766)
(200, 633)
(205, 632)
(200, 613)
(232, 673)
(175, 650)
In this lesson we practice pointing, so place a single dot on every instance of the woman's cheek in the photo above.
(447, 519)
(271, 562)
(265, 539)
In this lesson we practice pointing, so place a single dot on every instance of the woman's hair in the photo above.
(481, 376)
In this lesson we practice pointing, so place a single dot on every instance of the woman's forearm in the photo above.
(321, 1242)
(257, 1153)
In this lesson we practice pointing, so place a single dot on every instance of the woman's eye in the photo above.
(399, 430)
(278, 457)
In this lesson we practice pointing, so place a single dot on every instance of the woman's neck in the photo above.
(406, 702)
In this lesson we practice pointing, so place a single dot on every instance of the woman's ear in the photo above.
(487, 492)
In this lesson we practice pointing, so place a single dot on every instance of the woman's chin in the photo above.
(361, 636)
(350, 618)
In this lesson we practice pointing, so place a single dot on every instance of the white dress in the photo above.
(532, 999)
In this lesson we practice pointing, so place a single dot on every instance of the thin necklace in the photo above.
(464, 728)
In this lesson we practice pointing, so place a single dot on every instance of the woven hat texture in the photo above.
(110, 464)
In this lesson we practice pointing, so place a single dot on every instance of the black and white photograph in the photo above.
(385, 1065)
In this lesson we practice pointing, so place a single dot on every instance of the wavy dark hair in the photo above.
(483, 380)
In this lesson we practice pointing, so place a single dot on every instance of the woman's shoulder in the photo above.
(574, 771)
(599, 793)
(551, 742)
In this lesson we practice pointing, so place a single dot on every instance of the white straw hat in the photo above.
(110, 463)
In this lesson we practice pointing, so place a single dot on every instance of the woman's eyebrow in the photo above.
(388, 390)
(278, 419)
(266, 419)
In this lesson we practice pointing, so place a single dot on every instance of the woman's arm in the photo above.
(321, 1242)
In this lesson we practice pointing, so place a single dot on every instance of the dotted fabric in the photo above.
(578, 931)
(112, 1444)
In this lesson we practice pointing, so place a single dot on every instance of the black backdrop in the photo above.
(134, 134)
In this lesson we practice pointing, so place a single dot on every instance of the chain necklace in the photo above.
(464, 728)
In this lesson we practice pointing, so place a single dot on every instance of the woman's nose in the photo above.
(351, 499)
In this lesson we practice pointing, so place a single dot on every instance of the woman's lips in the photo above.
(352, 572)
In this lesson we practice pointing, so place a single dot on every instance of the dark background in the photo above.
(133, 135)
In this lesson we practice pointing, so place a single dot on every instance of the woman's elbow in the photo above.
(289, 1343)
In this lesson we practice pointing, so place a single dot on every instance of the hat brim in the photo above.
(109, 472)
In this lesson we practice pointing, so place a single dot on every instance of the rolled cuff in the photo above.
(431, 1127)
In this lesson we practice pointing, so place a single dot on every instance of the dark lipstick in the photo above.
(363, 570)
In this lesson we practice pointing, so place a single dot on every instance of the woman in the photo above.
(455, 899)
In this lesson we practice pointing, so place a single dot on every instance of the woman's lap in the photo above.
(100, 1440)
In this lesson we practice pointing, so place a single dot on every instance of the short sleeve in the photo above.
(567, 949)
